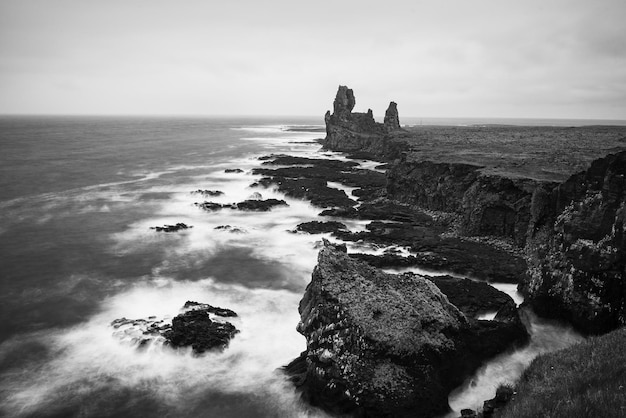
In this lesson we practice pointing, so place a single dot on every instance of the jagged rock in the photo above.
(392, 120)
(209, 206)
(348, 131)
(230, 228)
(309, 180)
(191, 305)
(486, 204)
(471, 297)
(248, 205)
(577, 248)
(503, 395)
(381, 344)
(194, 327)
(260, 205)
(171, 228)
(316, 227)
(206, 193)
(313, 189)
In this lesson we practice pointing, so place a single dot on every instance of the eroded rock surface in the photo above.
(254, 205)
(577, 248)
(352, 131)
(196, 327)
(381, 344)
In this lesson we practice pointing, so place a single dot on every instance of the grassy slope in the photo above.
(586, 380)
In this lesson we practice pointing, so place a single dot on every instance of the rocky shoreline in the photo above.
(395, 345)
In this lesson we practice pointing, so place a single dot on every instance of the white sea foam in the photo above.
(87, 357)
(507, 368)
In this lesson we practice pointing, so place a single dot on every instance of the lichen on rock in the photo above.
(382, 344)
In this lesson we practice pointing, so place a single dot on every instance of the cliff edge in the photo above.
(577, 248)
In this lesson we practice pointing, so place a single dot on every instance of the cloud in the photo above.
(453, 58)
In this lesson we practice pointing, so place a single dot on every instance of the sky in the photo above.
(435, 58)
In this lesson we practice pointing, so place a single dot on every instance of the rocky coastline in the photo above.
(380, 344)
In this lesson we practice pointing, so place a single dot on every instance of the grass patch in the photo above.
(585, 380)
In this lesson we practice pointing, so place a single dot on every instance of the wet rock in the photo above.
(312, 189)
(289, 160)
(471, 297)
(468, 413)
(171, 228)
(191, 305)
(432, 252)
(208, 193)
(194, 327)
(504, 394)
(209, 206)
(380, 344)
(233, 170)
(229, 228)
(383, 209)
(316, 227)
(260, 205)
(253, 205)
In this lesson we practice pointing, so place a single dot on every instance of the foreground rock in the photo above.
(381, 344)
(193, 328)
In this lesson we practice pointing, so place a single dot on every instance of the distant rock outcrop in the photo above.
(353, 131)
(577, 248)
(386, 345)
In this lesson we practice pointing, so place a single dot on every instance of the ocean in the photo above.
(78, 198)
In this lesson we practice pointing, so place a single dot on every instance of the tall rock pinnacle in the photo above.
(392, 121)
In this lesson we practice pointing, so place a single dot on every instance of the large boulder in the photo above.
(381, 344)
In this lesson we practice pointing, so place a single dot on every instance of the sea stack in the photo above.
(349, 131)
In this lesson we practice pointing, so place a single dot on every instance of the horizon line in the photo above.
(264, 116)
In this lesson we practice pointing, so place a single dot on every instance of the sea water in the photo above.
(78, 198)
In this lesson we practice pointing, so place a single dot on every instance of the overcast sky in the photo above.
(435, 58)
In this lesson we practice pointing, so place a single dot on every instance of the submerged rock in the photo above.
(260, 205)
(316, 227)
(233, 170)
(171, 228)
(255, 205)
(206, 193)
(381, 344)
(194, 327)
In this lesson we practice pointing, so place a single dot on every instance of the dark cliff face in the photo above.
(351, 131)
(388, 345)
(486, 205)
(573, 232)
(577, 248)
